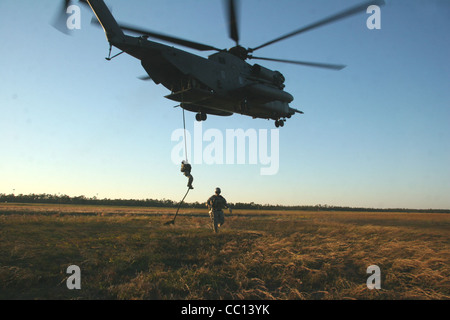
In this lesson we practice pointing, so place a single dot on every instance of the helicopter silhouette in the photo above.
(222, 84)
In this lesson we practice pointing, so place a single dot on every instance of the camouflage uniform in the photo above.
(217, 203)
(186, 169)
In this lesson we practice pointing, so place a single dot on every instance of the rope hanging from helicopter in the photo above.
(184, 128)
(183, 163)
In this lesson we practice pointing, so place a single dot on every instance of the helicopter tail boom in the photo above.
(112, 29)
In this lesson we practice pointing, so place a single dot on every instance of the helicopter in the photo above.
(222, 84)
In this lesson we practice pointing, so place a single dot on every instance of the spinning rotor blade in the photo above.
(344, 14)
(232, 21)
(304, 63)
(160, 36)
(179, 41)
(60, 20)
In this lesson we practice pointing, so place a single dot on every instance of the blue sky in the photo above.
(375, 134)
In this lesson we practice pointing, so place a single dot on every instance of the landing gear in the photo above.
(279, 123)
(201, 116)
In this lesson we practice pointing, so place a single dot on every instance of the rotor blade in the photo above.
(232, 21)
(304, 63)
(179, 41)
(333, 18)
(160, 36)
(60, 20)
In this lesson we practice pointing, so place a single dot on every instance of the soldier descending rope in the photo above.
(186, 169)
(216, 203)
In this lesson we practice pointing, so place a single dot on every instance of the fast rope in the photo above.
(185, 143)
(186, 156)
(179, 205)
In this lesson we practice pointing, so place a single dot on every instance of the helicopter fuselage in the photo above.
(221, 84)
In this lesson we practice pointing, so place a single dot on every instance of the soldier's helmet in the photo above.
(218, 191)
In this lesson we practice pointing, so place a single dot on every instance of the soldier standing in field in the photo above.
(216, 203)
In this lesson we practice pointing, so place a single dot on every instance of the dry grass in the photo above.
(128, 253)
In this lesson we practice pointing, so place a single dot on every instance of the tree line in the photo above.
(83, 200)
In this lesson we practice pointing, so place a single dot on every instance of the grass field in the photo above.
(128, 253)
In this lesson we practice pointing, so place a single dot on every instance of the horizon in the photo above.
(177, 202)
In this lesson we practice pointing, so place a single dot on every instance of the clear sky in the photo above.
(375, 134)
